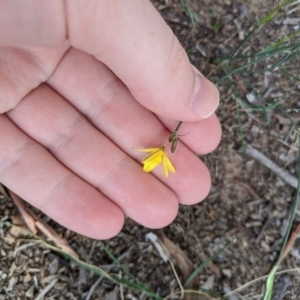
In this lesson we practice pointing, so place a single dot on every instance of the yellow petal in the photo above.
(148, 149)
(170, 166)
(149, 166)
(152, 160)
(165, 166)
(157, 155)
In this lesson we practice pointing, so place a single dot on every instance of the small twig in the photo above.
(29, 221)
(25, 246)
(294, 271)
(249, 189)
(91, 291)
(241, 84)
(91, 251)
(265, 161)
(177, 279)
(46, 289)
(35, 224)
(121, 287)
(263, 228)
(294, 235)
(227, 290)
(213, 267)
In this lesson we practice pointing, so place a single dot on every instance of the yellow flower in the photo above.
(157, 156)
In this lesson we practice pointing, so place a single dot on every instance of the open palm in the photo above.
(82, 86)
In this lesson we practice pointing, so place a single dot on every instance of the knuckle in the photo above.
(14, 157)
(104, 98)
(6, 103)
(9, 89)
(65, 134)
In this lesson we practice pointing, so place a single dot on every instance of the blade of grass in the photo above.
(256, 280)
(246, 105)
(263, 21)
(289, 74)
(96, 270)
(206, 262)
(201, 292)
(238, 69)
(276, 105)
(242, 137)
(270, 104)
(261, 59)
(243, 42)
(271, 276)
(273, 13)
(188, 11)
(277, 64)
(268, 54)
(278, 43)
(117, 262)
(214, 294)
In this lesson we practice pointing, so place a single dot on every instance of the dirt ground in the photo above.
(247, 202)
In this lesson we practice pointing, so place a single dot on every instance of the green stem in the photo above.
(178, 126)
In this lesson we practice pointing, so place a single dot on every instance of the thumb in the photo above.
(133, 40)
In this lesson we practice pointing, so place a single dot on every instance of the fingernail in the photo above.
(205, 98)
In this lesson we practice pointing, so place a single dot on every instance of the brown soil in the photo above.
(247, 201)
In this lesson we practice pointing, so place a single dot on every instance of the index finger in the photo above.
(130, 37)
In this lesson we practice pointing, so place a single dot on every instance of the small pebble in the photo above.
(227, 273)
(29, 293)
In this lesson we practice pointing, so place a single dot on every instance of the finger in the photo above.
(89, 154)
(132, 39)
(33, 173)
(92, 88)
(95, 91)
(22, 70)
(32, 23)
(166, 82)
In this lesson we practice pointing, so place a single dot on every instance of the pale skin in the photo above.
(82, 85)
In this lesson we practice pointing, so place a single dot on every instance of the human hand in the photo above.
(82, 85)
